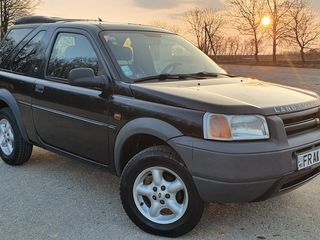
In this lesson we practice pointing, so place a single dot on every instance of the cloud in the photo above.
(176, 15)
(216, 4)
(209, 3)
(169, 4)
(163, 4)
(316, 4)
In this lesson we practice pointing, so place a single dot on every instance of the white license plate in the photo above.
(308, 159)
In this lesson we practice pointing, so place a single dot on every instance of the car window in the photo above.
(28, 60)
(71, 51)
(12, 39)
(144, 54)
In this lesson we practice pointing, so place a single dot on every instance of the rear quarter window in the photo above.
(29, 59)
(12, 39)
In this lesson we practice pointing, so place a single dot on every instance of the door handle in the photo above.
(39, 88)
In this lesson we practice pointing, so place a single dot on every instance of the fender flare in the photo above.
(10, 101)
(149, 126)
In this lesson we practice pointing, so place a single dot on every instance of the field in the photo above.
(312, 61)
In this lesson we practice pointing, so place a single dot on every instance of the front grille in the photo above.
(299, 178)
(299, 122)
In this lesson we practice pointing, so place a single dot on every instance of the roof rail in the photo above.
(37, 19)
(44, 19)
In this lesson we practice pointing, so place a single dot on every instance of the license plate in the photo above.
(308, 159)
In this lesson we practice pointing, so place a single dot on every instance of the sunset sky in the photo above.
(137, 11)
(134, 11)
(140, 11)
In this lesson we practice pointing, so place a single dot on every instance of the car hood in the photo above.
(227, 95)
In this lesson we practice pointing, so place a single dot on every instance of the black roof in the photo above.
(102, 25)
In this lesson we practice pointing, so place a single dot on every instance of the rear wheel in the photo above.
(14, 150)
(158, 193)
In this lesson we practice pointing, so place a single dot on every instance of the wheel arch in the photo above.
(154, 128)
(8, 100)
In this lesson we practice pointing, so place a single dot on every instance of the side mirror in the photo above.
(84, 77)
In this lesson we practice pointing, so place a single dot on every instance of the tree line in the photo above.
(11, 10)
(259, 22)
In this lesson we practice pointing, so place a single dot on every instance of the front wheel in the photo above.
(14, 150)
(158, 193)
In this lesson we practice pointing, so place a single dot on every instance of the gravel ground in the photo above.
(52, 197)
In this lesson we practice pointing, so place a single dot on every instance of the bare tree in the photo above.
(234, 45)
(206, 25)
(278, 10)
(246, 47)
(231, 45)
(11, 10)
(214, 22)
(248, 16)
(164, 25)
(249, 47)
(195, 19)
(303, 28)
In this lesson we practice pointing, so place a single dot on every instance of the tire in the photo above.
(14, 150)
(153, 209)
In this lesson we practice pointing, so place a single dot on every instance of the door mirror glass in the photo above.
(85, 77)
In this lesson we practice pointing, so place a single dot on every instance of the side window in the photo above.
(71, 51)
(29, 57)
(13, 38)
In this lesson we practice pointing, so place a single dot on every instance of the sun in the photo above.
(266, 21)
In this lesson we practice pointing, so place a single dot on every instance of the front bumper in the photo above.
(232, 172)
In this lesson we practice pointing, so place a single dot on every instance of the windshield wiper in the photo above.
(162, 77)
(199, 75)
(209, 74)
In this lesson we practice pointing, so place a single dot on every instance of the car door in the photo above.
(21, 56)
(70, 118)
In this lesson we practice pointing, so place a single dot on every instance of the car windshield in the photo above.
(143, 55)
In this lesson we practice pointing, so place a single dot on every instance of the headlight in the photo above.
(235, 127)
